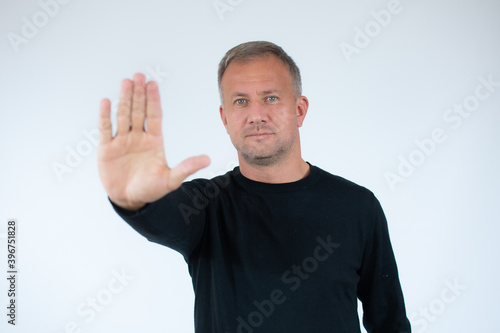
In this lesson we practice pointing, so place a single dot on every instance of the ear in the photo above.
(301, 109)
(223, 117)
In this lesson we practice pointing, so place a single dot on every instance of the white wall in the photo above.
(367, 109)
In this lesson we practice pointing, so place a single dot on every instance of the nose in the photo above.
(257, 114)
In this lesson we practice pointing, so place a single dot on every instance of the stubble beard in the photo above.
(273, 156)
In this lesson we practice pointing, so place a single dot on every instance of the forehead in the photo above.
(266, 72)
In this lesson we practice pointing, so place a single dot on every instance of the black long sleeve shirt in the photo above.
(291, 257)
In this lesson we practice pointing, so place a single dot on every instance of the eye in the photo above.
(240, 101)
(272, 98)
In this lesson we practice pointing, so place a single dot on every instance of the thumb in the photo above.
(186, 168)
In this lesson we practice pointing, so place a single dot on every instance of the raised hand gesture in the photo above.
(132, 164)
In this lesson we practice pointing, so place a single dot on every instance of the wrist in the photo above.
(130, 206)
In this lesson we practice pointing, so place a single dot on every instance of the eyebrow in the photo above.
(265, 92)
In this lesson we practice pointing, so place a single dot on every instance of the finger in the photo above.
(105, 127)
(153, 108)
(139, 103)
(124, 105)
(187, 168)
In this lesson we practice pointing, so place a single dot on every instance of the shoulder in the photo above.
(344, 190)
(210, 187)
(340, 184)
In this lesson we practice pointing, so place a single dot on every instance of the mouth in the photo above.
(259, 136)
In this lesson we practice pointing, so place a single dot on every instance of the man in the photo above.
(275, 245)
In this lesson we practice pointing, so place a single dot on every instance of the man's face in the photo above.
(260, 112)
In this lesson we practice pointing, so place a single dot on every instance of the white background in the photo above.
(366, 112)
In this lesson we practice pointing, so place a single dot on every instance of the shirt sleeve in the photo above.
(176, 220)
(379, 288)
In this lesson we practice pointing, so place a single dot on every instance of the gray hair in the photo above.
(250, 50)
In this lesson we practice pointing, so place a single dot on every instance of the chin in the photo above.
(262, 159)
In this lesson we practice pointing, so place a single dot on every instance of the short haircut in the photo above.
(250, 50)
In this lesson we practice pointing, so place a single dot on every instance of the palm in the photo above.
(132, 165)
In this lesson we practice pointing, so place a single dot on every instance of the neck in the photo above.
(278, 173)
